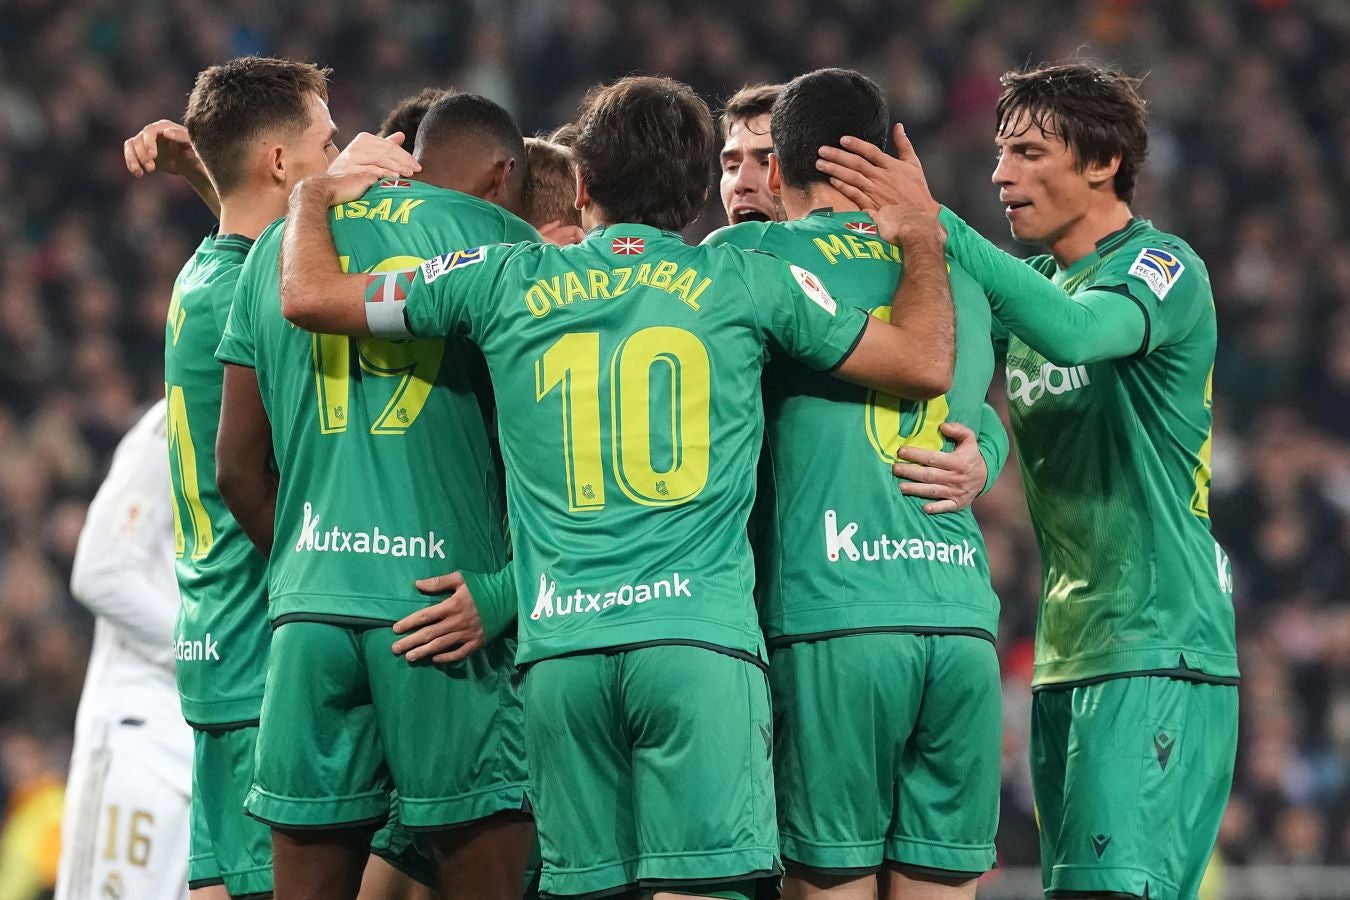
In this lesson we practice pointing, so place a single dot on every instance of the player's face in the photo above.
(1044, 194)
(745, 172)
(313, 149)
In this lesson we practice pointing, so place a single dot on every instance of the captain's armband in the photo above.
(386, 297)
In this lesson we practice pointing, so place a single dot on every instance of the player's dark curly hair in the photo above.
(234, 102)
(646, 146)
(1095, 110)
(815, 110)
(407, 114)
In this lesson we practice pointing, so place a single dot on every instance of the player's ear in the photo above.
(583, 197)
(501, 177)
(1097, 172)
(275, 161)
(775, 175)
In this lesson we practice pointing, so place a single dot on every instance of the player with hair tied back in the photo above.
(1110, 361)
(626, 370)
(863, 594)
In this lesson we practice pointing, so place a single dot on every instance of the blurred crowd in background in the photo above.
(1250, 163)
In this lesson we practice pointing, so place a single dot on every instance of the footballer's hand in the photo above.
(872, 178)
(161, 146)
(951, 479)
(561, 235)
(368, 151)
(444, 632)
(335, 189)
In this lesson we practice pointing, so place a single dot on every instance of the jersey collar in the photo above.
(628, 229)
(1113, 240)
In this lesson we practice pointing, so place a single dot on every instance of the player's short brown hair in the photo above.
(646, 145)
(236, 101)
(1096, 111)
(565, 135)
(407, 114)
(747, 103)
(550, 184)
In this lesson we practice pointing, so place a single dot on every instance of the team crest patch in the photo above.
(1158, 269)
(447, 262)
(628, 246)
(395, 183)
(812, 287)
(866, 228)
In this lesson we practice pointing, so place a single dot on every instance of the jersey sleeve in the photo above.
(798, 315)
(237, 344)
(127, 535)
(993, 443)
(1169, 285)
(447, 295)
(1090, 326)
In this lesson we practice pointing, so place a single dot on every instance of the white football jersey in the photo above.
(125, 828)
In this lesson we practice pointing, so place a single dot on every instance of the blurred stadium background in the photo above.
(1250, 162)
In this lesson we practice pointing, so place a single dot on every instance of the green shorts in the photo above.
(345, 722)
(887, 746)
(1131, 777)
(650, 767)
(397, 846)
(227, 847)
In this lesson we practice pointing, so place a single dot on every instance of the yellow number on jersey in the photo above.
(573, 365)
(183, 455)
(1200, 497)
(893, 423)
(415, 363)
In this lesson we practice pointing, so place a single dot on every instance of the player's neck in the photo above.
(1081, 236)
(249, 212)
(798, 203)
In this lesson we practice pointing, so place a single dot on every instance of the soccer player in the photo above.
(125, 828)
(257, 125)
(550, 188)
(1134, 716)
(385, 472)
(863, 594)
(949, 479)
(746, 146)
(408, 113)
(627, 377)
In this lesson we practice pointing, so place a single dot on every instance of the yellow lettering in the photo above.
(381, 210)
(574, 289)
(856, 245)
(599, 283)
(535, 300)
(357, 209)
(337, 213)
(623, 284)
(698, 291)
(833, 248)
(883, 251)
(683, 284)
(644, 274)
(404, 210)
(664, 271)
(553, 287)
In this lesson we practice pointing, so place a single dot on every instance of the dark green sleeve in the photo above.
(494, 594)
(1090, 326)
(993, 441)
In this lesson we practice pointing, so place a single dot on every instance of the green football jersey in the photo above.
(842, 550)
(222, 636)
(627, 373)
(1115, 462)
(386, 472)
